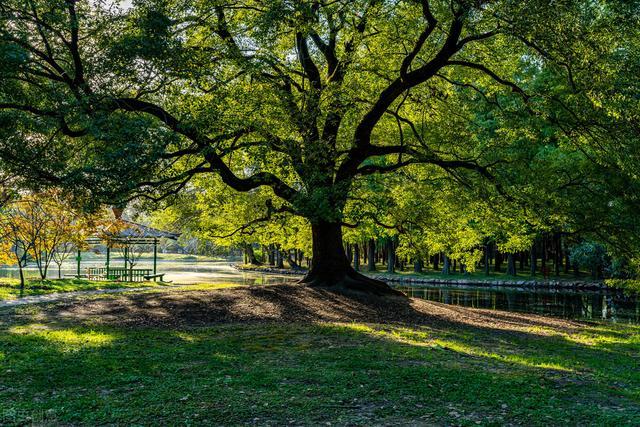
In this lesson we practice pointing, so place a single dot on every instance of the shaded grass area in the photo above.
(309, 373)
(10, 288)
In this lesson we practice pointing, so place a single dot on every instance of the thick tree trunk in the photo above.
(330, 267)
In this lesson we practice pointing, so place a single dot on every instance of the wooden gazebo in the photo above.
(125, 234)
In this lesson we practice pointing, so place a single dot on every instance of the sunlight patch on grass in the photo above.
(502, 357)
(68, 338)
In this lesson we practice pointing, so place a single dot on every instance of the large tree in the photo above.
(302, 97)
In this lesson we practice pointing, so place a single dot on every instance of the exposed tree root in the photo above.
(349, 281)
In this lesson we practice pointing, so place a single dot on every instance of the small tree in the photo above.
(61, 253)
(21, 227)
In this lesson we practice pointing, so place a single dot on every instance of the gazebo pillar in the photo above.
(155, 258)
(108, 259)
(126, 261)
(78, 258)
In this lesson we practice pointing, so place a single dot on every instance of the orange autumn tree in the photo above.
(45, 228)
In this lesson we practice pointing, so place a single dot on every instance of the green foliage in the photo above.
(590, 255)
(626, 284)
(529, 116)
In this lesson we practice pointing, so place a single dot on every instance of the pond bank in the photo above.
(417, 281)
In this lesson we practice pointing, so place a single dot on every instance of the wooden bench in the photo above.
(155, 276)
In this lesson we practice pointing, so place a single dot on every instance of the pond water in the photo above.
(583, 305)
(589, 305)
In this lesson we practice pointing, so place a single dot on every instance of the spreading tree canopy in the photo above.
(300, 97)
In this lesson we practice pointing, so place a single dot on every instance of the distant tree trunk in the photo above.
(557, 260)
(391, 256)
(436, 262)
(271, 255)
(417, 265)
(356, 257)
(567, 261)
(454, 265)
(293, 263)
(279, 260)
(372, 255)
(250, 256)
(533, 260)
(21, 278)
(486, 260)
(349, 252)
(543, 257)
(511, 265)
(445, 265)
(521, 256)
(498, 263)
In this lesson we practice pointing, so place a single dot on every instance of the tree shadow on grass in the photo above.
(269, 354)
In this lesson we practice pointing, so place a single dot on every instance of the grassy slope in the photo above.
(315, 373)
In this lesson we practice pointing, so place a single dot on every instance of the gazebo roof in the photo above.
(131, 232)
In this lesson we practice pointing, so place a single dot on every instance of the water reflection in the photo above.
(614, 306)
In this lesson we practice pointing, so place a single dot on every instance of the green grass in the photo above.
(10, 288)
(80, 374)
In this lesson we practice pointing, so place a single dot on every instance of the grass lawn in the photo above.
(57, 370)
(10, 288)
